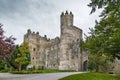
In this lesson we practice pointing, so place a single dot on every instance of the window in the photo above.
(33, 58)
(53, 65)
(33, 49)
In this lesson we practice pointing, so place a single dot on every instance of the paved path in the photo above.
(47, 76)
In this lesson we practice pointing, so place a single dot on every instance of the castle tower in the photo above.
(66, 20)
(69, 43)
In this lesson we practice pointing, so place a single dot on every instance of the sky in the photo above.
(43, 16)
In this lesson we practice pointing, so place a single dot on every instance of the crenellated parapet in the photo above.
(66, 19)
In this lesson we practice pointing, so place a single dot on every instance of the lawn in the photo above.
(92, 76)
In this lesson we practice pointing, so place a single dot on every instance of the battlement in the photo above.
(66, 19)
(33, 33)
(66, 13)
(36, 35)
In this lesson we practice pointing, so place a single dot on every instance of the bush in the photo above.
(4, 71)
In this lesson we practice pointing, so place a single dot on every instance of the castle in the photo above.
(63, 53)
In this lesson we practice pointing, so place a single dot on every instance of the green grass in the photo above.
(92, 76)
(39, 71)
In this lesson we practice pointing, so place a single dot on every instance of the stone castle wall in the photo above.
(43, 51)
(62, 53)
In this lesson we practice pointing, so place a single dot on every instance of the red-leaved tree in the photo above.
(7, 46)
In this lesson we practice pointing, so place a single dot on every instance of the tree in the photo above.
(99, 63)
(107, 31)
(3, 64)
(23, 58)
(7, 46)
(14, 56)
(110, 6)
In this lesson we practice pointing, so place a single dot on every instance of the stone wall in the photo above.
(116, 68)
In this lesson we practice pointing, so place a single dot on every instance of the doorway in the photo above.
(85, 65)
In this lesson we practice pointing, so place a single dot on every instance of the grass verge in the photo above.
(92, 76)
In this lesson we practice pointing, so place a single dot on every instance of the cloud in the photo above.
(43, 16)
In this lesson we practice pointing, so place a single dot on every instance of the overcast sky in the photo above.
(43, 16)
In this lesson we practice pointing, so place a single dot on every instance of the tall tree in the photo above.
(23, 58)
(104, 39)
(7, 46)
(107, 31)
(14, 56)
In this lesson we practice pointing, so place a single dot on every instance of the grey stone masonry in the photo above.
(63, 52)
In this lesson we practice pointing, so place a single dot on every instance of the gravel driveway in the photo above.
(46, 76)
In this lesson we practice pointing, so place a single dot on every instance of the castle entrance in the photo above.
(85, 65)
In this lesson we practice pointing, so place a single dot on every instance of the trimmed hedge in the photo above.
(39, 71)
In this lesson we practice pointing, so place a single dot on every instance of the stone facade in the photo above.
(62, 53)
(116, 67)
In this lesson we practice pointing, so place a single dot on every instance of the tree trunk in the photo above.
(97, 66)
(20, 67)
(10, 64)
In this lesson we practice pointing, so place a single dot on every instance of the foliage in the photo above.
(16, 52)
(104, 38)
(103, 43)
(7, 46)
(110, 6)
(99, 63)
(40, 71)
(91, 76)
(14, 56)
(2, 64)
(23, 58)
